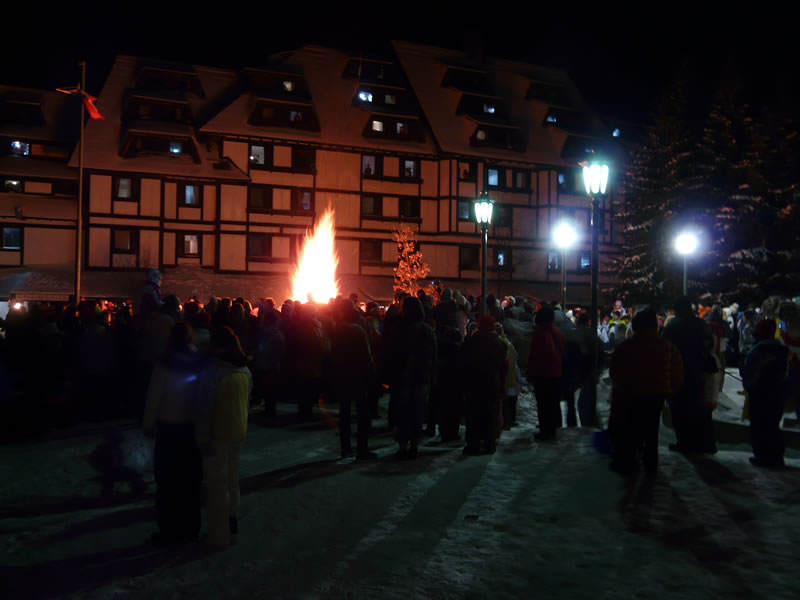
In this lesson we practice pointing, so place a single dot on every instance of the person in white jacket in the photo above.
(171, 412)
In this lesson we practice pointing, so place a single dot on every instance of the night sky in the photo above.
(622, 60)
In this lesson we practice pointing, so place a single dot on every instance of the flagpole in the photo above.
(79, 233)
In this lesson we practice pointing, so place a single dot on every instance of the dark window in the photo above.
(467, 171)
(409, 168)
(371, 206)
(302, 200)
(65, 188)
(20, 148)
(554, 261)
(469, 258)
(521, 179)
(408, 208)
(584, 262)
(123, 241)
(465, 210)
(501, 216)
(189, 245)
(125, 188)
(303, 159)
(190, 195)
(259, 245)
(12, 185)
(370, 251)
(259, 197)
(12, 238)
(260, 155)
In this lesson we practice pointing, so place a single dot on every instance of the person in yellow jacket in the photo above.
(221, 431)
(645, 370)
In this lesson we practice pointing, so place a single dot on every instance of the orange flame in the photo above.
(315, 277)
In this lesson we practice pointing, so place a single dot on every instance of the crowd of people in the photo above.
(194, 371)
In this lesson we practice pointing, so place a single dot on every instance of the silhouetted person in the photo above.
(171, 414)
(150, 297)
(764, 374)
(352, 374)
(691, 416)
(645, 370)
(544, 371)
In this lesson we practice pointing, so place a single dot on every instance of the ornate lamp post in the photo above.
(564, 236)
(686, 244)
(595, 178)
(483, 216)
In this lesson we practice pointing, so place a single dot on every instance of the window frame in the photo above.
(181, 192)
(378, 202)
(180, 240)
(473, 171)
(470, 204)
(476, 266)
(295, 205)
(378, 171)
(7, 189)
(416, 202)
(266, 188)
(134, 197)
(559, 258)
(134, 233)
(527, 182)
(578, 267)
(415, 176)
(508, 258)
(4, 247)
(25, 148)
(502, 209)
(268, 153)
(258, 257)
(501, 177)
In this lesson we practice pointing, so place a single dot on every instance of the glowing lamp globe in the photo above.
(483, 209)
(686, 243)
(564, 235)
(595, 178)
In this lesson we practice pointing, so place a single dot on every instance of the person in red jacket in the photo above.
(544, 370)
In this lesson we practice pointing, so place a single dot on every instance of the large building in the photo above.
(214, 175)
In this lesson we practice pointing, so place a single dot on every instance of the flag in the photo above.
(87, 99)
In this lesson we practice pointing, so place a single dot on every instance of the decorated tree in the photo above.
(410, 269)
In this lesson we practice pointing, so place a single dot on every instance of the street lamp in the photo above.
(483, 216)
(564, 236)
(686, 244)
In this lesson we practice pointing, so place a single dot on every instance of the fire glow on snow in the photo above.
(315, 277)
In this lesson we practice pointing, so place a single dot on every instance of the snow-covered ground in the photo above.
(532, 520)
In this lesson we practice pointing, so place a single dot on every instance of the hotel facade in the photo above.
(215, 175)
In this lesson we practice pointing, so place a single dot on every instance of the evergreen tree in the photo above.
(411, 268)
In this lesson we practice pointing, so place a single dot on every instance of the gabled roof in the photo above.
(433, 73)
(341, 122)
(103, 137)
(57, 115)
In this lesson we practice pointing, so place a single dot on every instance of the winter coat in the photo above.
(173, 395)
(765, 367)
(312, 350)
(692, 336)
(484, 358)
(414, 354)
(646, 365)
(747, 336)
(511, 383)
(351, 359)
(547, 350)
(444, 314)
(225, 396)
(149, 299)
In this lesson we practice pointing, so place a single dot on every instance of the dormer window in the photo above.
(257, 155)
(175, 147)
(480, 135)
(377, 126)
(402, 129)
(288, 86)
(551, 118)
(365, 96)
(488, 108)
(12, 185)
(390, 99)
(295, 116)
(20, 148)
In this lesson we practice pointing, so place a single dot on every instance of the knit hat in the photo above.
(765, 329)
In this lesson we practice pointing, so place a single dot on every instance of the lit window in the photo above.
(20, 148)
(295, 116)
(13, 185)
(175, 147)
(390, 99)
(191, 196)
(12, 238)
(257, 155)
(288, 86)
(368, 165)
(191, 244)
(480, 134)
(551, 118)
(377, 126)
(365, 96)
(493, 176)
(501, 259)
(305, 201)
(521, 180)
(488, 108)
(409, 168)
(561, 179)
(584, 261)
(615, 133)
(402, 129)
(464, 210)
(124, 188)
